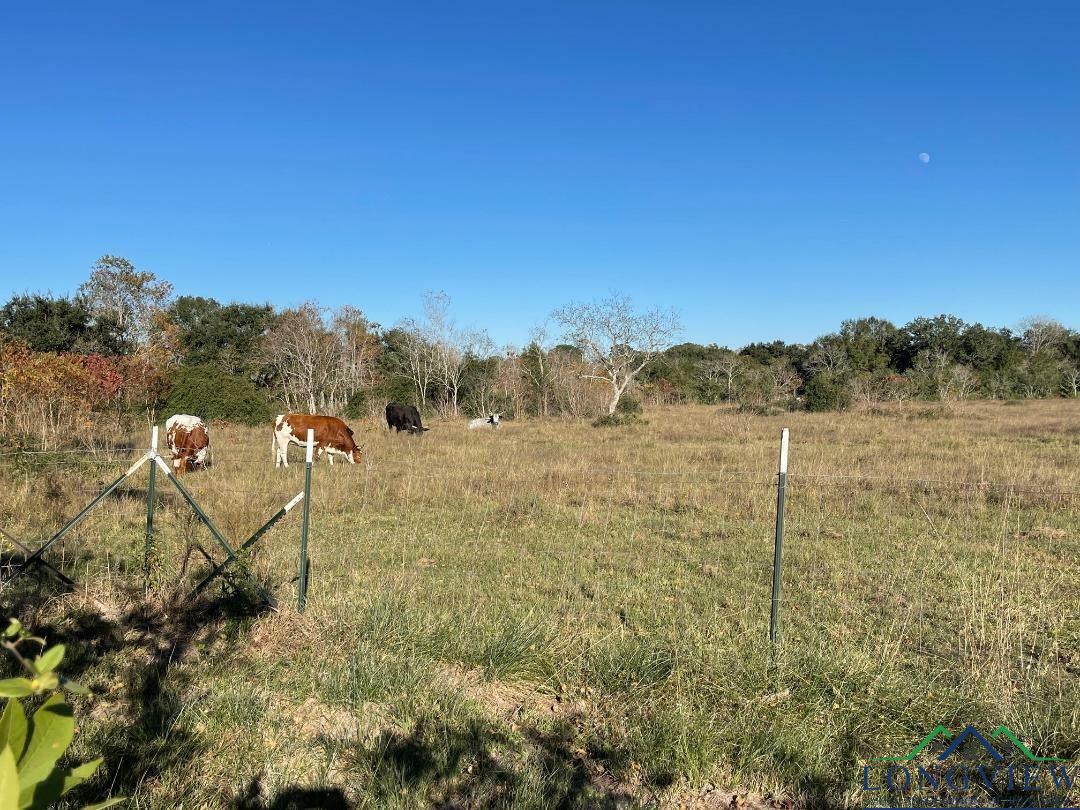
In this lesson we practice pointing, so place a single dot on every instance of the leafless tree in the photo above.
(932, 372)
(785, 379)
(1070, 379)
(829, 356)
(724, 372)
(867, 387)
(963, 381)
(1043, 334)
(538, 369)
(133, 298)
(320, 358)
(617, 341)
(303, 355)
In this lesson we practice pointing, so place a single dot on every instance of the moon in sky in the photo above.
(924, 157)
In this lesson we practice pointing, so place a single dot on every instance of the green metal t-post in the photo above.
(778, 545)
(302, 580)
(150, 497)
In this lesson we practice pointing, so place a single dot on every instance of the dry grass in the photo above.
(558, 613)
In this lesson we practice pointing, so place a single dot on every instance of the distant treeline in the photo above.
(124, 344)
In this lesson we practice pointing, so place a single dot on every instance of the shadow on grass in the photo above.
(291, 799)
(139, 736)
(478, 765)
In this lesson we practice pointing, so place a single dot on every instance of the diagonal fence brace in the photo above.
(51, 570)
(229, 550)
(220, 567)
(35, 558)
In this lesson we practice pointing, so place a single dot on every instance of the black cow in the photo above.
(404, 417)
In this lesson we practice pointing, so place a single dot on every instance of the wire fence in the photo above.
(697, 527)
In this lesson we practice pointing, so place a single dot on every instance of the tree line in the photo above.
(124, 344)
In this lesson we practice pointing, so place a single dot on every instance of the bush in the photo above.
(827, 393)
(618, 420)
(211, 393)
(629, 406)
(31, 746)
(358, 405)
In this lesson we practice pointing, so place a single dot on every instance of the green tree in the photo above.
(222, 336)
(869, 343)
(211, 393)
(48, 324)
(940, 334)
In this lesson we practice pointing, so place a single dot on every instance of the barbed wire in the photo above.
(712, 475)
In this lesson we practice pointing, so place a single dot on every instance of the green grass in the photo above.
(557, 614)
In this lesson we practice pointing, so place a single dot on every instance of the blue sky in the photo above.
(753, 165)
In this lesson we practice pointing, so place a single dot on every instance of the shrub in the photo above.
(826, 392)
(210, 393)
(618, 420)
(30, 747)
(628, 405)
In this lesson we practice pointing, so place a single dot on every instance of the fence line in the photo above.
(712, 475)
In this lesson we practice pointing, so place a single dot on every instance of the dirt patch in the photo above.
(711, 797)
(315, 719)
(509, 702)
(1042, 533)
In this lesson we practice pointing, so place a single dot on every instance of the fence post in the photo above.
(301, 584)
(778, 545)
(150, 496)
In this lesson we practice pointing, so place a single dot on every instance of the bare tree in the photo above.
(724, 373)
(1042, 334)
(829, 356)
(1070, 379)
(304, 356)
(130, 297)
(867, 387)
(538, 369)
(963, 381)
(617, 341)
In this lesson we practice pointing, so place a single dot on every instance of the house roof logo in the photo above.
(1001, 735)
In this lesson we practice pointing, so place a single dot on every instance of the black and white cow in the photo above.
(491, 421)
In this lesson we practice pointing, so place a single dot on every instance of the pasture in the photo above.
(555, 614)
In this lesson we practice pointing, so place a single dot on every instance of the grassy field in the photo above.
(559, 615)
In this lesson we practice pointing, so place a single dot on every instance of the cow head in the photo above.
(357, 455)
(494, 419)
(416, 430)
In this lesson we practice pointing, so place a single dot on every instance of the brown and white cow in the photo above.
(188, 440)
(332, 437)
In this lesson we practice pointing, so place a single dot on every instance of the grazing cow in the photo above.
(485, 421)
(332, 437)
(404, 417)
(188, 440)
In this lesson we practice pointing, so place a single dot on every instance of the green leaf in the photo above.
(15, 687)
(52, 728)
(13, 728)
(13, 628)
(50, 659)
(106, 803)
(9, 780)
(74, 687)
(58, 782)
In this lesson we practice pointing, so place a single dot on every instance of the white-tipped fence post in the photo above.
(778, 544)
(150, 497)
(302, 579)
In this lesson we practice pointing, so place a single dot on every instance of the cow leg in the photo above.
(283, 439)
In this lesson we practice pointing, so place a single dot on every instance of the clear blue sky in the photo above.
(754, 165)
